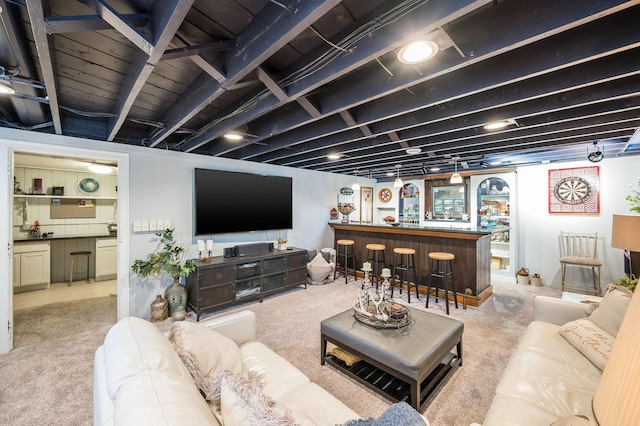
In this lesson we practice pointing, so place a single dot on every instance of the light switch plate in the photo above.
(145, 226)
(152, 225)
(137, 227)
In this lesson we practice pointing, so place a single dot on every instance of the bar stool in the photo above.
(376, 254)
(438, 264)
(73, 256)
(343, 252)
(404, 260)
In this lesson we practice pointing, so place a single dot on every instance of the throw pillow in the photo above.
(592, 341)
(242, 403)
(318, 269)
(205, 353)
(609, 314)
(398, 414)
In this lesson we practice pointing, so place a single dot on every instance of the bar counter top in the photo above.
(470, 245)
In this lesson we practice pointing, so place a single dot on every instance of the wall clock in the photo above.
(385, 195)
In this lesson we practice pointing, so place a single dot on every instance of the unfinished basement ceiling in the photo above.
(303, 79)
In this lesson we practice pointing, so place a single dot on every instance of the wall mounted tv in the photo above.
(241, 202)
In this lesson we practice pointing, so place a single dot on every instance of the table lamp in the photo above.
(625, 235)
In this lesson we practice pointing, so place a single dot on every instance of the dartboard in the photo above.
(572, 190)
(384, 195)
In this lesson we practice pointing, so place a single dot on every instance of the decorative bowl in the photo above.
(394, 223)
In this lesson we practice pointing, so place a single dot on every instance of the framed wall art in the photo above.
(574, 191)
(366, 205)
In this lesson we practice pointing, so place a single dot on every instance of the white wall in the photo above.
(160, 184)
(538, 236)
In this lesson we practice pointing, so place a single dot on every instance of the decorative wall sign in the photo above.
(385, 195)
(574, 191)
(366, 205)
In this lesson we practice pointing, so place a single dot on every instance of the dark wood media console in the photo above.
(223, 282)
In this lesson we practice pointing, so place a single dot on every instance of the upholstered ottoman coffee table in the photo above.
(405, 364)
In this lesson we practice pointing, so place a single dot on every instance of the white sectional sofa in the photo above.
(139, 379)
(556, 370)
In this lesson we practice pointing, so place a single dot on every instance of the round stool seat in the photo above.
(439, 255)
(80, 253)
(345, 242)
(402, 250)
(373, 246)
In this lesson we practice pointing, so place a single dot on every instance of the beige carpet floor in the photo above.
(50, 381)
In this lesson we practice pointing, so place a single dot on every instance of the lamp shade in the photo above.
(625, 232)
(616, 399)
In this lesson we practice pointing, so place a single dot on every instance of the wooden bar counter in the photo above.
(471, 247)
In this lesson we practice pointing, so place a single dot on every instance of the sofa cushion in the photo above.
(160, 397)
(546, 379)
(577, 420)
(313, 400)
(134, 344)
(278, 374)
(609, 314)
(206, 353)
(592, 341)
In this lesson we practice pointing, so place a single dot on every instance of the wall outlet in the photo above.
(152, 225)
(160, 225)
(137, 226)
(145, 226)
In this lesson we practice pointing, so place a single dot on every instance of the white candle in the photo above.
(386, 272)
(366, 266)
(210, 245)
(200, 245)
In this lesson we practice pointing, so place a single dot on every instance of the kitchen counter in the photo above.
(471, 247)
(64, 237)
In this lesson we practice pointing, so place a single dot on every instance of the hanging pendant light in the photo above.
(455, 177)
(356, 185)
(398, 182)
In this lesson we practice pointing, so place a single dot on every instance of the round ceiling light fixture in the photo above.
(233, 136)
(5, 89)
(417, 51)
(100, 169)
(501, 124)
(413, 151)
(333, 156)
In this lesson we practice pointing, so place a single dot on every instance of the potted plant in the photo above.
(628, 283)
(282, 244)
(170, 258)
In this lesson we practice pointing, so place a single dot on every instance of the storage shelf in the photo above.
(63, 197)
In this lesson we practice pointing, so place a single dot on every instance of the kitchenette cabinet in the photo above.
(31, 266)
(106, 258)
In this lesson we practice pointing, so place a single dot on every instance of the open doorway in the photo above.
(61, 207)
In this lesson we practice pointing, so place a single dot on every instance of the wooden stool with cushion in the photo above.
(441, 266)
(376, 255)
(343, 252)
(404, 260)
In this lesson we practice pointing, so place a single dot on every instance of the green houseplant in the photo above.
(170, 258)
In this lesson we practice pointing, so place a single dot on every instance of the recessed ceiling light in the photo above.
(233, 136)
(496, 125)
(390, 174)
(495, 163)
(100, 169)
(435, 169)
(413, 151)
(417, 51)
(333, 156)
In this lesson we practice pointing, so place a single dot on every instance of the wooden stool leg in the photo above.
(415, 276)
(393, 274)
(429, 282)
(71, 272)
(453, 286)
(88, 280)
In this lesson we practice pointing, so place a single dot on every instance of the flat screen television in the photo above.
(227, 202)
